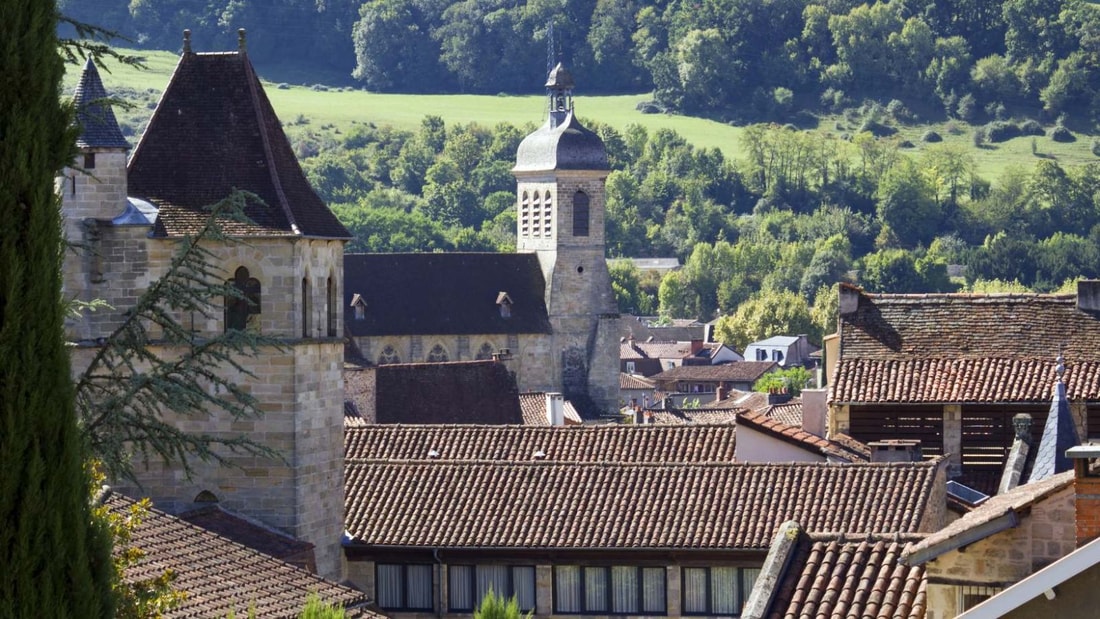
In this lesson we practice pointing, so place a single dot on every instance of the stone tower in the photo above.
(214, 131)
(560, 170)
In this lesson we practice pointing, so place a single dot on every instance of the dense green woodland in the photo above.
(751, 59)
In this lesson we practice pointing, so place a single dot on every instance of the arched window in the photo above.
(580, 214)
(485, 352)
(305, 307)
(206, 497)
(437, 354)
(246, 302)
(331, 307)
(389, 355)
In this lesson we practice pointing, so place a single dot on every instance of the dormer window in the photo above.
(505, 303)
(359, 306)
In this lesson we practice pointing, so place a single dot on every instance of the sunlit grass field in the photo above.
(335, 110)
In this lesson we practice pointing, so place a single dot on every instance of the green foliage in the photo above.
(766, 314)
(316, 608)
(792, 380)
(493, 606)
(56, 556)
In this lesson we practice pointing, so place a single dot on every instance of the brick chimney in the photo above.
(1088, 295)
(1086, 487)
(895, 450)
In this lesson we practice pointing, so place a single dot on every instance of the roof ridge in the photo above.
(574, 464)
(265, 139)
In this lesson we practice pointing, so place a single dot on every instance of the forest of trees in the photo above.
(736, 59)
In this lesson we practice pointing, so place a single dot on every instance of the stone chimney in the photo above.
(814, 411)
(1086, 487)
(1088, 295)
(555, 409)
(895, 450)
(849, 298)
(779, 397)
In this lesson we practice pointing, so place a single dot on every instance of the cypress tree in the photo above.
(54, 558)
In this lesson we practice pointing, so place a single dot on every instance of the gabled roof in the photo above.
(593, 505)
(932, 348)
(221, 576)
(681, 416)
(830, 575)
(789, 412)
(215, 131)
(630, 381)
(994, 515)
(456, 392)
(664, 349)
(800, 438)
(533, 405)
(777, 340)
(737, 371)
(445, 294)
(98, 126)
(599, 443)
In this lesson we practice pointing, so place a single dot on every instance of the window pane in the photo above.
(460, 587)
(493, 577)
(624, 589)
(723, 591)
(567, 589)
(419, 586)
(695, 590)
(595, 589)
(523, 585)
(388, 586)
(748, 581)
(653, 590)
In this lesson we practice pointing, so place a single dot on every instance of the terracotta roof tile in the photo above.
(533, 406)
(214, 131)
(682, 416)
(797, 436)
(834, 576)
(965, 348)
(602, 443)
(256, 536)
(454, 504)
(630, 381)
(220, 575)
(738, 371)
(664, 350)
(789, 413)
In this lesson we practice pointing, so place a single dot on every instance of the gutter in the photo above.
(959, 542)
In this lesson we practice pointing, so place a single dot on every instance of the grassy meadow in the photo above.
(332, 111)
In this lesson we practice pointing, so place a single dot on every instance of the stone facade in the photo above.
(1045, 534)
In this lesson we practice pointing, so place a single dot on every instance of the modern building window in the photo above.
(761, 354)
(717, 590)
(580, 214)
(245, 303)
(972, 595)
(468, 584)
(331, 299)
(609, 590)
(404, 586)
(777, 356)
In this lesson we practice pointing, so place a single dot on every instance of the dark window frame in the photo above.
(473, 584)
(608, 586)
(405, 587)
(582, 214)
(742, 591)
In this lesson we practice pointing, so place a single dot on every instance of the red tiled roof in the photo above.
(752, 400)
(789, 413)
(628, 351)
(682, 416)
(797, 436)
(577, 505)
(257, 537)
(965, 348)
(214, 131)
(630, 381)
(220, 575)
(600, 443)
(738, 371)
(664, 350)
(830, 576)
(533, 406)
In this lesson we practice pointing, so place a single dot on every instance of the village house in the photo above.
(712, 382)
(951, 370)
(786, 350)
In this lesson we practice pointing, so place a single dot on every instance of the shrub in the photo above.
(906, 144)
(966, 107)
(1096, 147)
(1032, 127)
(931, 137)
(954, 128)
(897, 110)
(319, 88)
(1001, 131)
(1061, 134)
(877, 129)
(979, 137)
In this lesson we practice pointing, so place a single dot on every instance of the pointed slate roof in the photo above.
(1059, 434)
(214, 131)
(98, 126)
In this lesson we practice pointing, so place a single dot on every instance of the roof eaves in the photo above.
(1003, 522)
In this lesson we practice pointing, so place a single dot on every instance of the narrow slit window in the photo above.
(580, 214)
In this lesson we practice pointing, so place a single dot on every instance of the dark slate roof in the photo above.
(451, 293)
(98, 127)
(221, 576)
(841, 576)
(932, 348)
(214, 131)
(737, 371)
(567, 146)
(583, 505)
(477, 392)
(1059, 434)
(593, 443)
